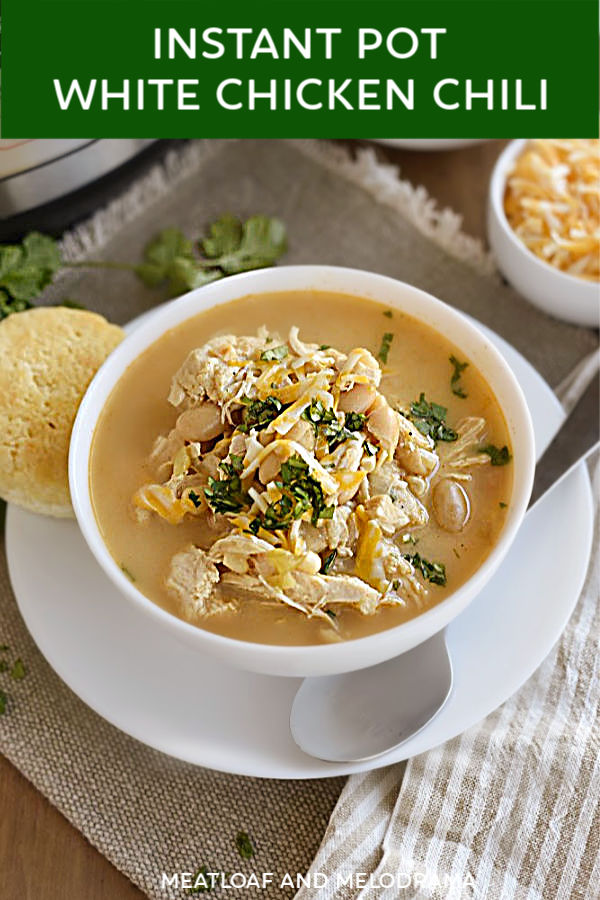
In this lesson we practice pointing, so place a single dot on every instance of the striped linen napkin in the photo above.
(510, 809)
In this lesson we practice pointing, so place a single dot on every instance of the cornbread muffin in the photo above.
(48, 356)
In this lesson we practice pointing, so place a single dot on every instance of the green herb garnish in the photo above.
(226, 495)
(459, 368)
(325, 422)
(331, 614)
(499, 456)
(203, 883)
(170, 259)
(434, 572)
(354, 421)
(244, 845)
(324, 346)
(195, 499)
(126, 571)
(502, 504)
(430, 419)
(386, 343)
(234, 246)
(274, 353)
(25, 270)
(328, 562)
(18, 671)
(300, 492)
(258, 414)
(388, 314)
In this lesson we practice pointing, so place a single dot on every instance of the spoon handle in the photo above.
(571, 444)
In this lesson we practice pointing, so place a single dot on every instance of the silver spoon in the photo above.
(360, 715)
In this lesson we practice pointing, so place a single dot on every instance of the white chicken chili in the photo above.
(300, 468)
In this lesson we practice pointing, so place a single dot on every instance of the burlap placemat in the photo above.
(146, 812)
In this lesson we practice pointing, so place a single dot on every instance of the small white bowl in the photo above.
(349, 655)
(564, 296)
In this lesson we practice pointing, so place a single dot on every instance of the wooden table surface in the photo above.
(41, 855)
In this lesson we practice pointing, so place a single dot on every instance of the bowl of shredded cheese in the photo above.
(544, 224)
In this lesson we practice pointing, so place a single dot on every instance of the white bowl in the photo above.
(331, 658)
(562, 295)
(429, 143)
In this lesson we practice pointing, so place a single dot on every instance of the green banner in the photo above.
(332, 68)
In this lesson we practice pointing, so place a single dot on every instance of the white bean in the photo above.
(358, 399)
(202, 423)
(451, 505)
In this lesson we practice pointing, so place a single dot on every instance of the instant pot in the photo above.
(49, 184)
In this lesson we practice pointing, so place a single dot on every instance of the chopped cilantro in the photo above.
(430, 419)
(327, 423)
(502, 504)
(499, 456)
(324, 346)
(18, 671)
(204, 881)
(434, 572)
(3, 702)
(355, 421)
(388, 313)
(126, 571)
(195, 499)
(459, 368)
(244, 845)
(300, 493)
(386, 343)
(328, 562)
(226, 495)
(258, 414)
(274, 353)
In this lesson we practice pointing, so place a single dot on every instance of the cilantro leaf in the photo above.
(300, 492)
(459, 368)
(328, 562)
(169, 258)
(430, 419)
(25, 270)
(244, 845)
(434, 572)
(355, 421)
(225, 236)
(18, 671)
(260, 243)
(259, 413)
(274, 353)
(386, 343)
(326, 422)
(499, 456)
(225, 495)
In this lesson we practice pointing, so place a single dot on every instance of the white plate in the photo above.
(429, 143)
(157, 690)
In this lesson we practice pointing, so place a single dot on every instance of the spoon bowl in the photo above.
(332, 716)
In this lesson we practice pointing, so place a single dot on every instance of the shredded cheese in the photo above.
(552, 202)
